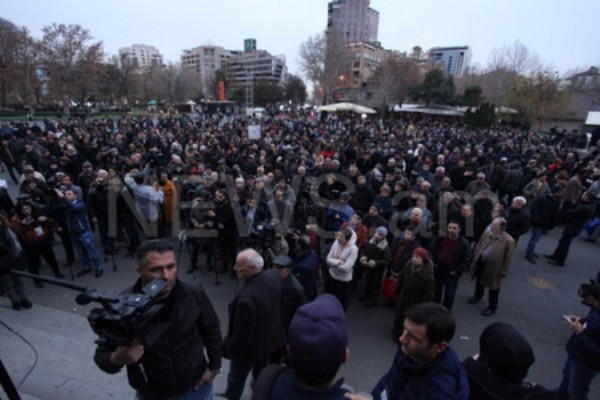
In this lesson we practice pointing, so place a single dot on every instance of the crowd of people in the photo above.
(398, 207)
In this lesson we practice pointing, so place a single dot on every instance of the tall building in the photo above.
(204, 61)
(255, 65)
(454, 61)
(353, 20)
(141, 56)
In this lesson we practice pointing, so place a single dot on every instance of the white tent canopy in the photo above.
(357, 108)
(593, 118)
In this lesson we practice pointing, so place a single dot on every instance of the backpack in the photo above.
(263, 386)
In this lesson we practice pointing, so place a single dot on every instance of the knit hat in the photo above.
(317, 336)
(506, 352)
(383, 230)
(421, 252)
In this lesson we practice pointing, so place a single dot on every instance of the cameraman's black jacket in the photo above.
(176, 360)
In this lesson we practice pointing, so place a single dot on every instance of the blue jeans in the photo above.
(576, 380)
(236, 379)
(536, 235)
(204, 393)
(84, 245)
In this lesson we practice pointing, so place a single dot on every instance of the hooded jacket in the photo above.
(347, 255)
(503, 363)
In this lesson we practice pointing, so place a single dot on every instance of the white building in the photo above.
(204, 61)
(141, 56)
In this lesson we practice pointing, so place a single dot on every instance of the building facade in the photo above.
(353, 20)
(204, 61)
(253, 65)
(454, 61)
(141, 56)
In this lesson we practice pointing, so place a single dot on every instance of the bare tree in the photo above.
(312, 59)
(17, 64)
(391, 79)
(72, 64)
(121, 82)
(506, 65)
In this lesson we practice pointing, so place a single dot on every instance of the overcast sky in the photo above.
(565, 35)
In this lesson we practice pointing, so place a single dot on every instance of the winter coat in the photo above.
(462, 254)
(544, 212)
(347, 254)
(306, 270)
(517, 222)
(177, 358)
(33, 234)
(415, 286)
(585, 346)
(501, 256)
(379, 252)
(442, 379)
(169, 196)
(255, 330)
(12, 255)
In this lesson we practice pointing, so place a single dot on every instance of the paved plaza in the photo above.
(48, 349)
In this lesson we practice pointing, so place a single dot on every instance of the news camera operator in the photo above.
(184, 360)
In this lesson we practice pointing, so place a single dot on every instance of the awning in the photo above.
(593, 118)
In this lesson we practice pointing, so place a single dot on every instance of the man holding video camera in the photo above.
(184, 360)
(583, 361)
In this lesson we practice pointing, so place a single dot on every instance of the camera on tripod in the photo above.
(262, 236)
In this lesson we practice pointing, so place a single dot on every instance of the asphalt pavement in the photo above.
(48, 349)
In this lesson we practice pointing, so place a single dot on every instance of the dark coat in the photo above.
(10, 257)
(292, 298)
(544, 212)
(176, 360)
(483, 384)
(306, 270)
(415, 286)
(462, 255)
(255, 330)
(288, 387)
(517, 222)
(585, 347)
(442, 379)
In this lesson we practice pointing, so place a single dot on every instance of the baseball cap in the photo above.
(282, 262)
(317, 336)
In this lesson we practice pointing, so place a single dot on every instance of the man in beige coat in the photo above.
(491, 262)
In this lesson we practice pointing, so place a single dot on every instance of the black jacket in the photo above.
(176, 360)
(462, 255)
(255, 330)
(544, 212)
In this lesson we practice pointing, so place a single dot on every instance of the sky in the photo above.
(564, 35)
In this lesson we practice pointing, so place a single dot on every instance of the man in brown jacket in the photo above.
(491, 262)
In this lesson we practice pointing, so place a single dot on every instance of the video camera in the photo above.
(121, 318)
(126, 317)
(263, 235)
(587, 290)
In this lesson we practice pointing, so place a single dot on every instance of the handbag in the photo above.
(592, 225)
(389, 288)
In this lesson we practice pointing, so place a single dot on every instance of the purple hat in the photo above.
(317, 336)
